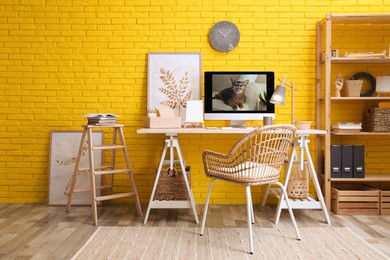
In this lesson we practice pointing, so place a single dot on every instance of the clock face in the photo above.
(224, 36)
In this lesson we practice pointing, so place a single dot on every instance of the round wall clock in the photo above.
(224, 36)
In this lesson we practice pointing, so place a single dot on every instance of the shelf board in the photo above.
(368, 178)
(359, 18)
(363, 133)
(359, 98)
(355, 99)
(371, 60)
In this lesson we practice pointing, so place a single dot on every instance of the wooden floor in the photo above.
(44, 232)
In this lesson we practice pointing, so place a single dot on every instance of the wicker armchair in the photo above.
(256, 159)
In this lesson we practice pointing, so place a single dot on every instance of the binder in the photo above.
(347, 161)
(335, 161)
(358, 161)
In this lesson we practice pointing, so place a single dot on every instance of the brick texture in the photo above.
(60, 60)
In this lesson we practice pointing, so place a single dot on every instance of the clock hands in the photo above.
(224, 35)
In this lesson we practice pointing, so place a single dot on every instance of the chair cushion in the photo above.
(246, 173)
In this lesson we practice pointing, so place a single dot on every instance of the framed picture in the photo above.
(64, 146)
(173, 79)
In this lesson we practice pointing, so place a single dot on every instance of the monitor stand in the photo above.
(237, 123)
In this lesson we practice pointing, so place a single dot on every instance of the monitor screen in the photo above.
(238, 95)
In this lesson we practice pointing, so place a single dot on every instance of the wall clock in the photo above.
(224, 36)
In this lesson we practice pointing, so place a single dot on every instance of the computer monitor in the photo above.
(238, 96)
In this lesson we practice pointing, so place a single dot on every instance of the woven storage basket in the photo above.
(353, 88)
(302, 125)
(376, 120)
(298, 184)
(172, 187)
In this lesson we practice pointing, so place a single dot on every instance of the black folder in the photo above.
(347, 161)
(335, 161)
(358, 161)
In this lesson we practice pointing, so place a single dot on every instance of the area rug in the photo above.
(224, 243)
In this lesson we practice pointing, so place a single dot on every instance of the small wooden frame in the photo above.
(194, 124)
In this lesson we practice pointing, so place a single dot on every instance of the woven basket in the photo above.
(353, 88)
(298, 184)
(172, 186)
(302, 125)
(376, 120)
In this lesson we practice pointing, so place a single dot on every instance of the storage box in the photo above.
(171, 185)
(352, 88)
(385, 202)
(162, 122)
(355, 199)
(376, 120)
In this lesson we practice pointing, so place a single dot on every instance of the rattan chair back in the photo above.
(256, 158)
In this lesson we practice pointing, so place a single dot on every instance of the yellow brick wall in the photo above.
(61, 59)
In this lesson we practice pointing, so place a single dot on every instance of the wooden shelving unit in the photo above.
(324, 85)
(367, 178)
(343, 60)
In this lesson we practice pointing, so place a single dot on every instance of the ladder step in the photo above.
(115, 196)
(84, 169)
(107, 146)
(81, 190)
(112, 171)
(88, 189)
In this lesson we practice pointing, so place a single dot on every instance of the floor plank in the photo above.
(46, 232)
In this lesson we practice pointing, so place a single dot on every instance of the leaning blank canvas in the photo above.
(64, 146)
(194, 112)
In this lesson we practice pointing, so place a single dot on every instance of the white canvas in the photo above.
(194, 113)
(64, 146)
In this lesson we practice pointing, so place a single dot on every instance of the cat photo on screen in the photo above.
(238, 92)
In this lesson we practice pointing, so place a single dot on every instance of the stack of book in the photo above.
(347, 127)
(101, 119)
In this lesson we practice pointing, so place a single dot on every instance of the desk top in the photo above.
(215, 130)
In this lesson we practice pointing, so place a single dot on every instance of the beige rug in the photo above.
(224, 243)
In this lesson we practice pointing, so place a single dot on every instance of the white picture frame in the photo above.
(168, 72)
(64, 146)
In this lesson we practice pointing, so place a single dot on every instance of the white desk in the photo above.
(172, 142)
(306, 203)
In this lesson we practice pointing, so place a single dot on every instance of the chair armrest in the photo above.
(211, 156)
(214, 161)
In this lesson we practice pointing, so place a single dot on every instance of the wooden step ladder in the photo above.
(86, 140)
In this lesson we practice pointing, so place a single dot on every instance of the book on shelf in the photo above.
(101, 119)
(98, 121)
(346, 131)
(101, 116)
(347, 125)
(365, 55)
(102, 124)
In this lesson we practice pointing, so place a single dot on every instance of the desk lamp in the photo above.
(279, 96)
